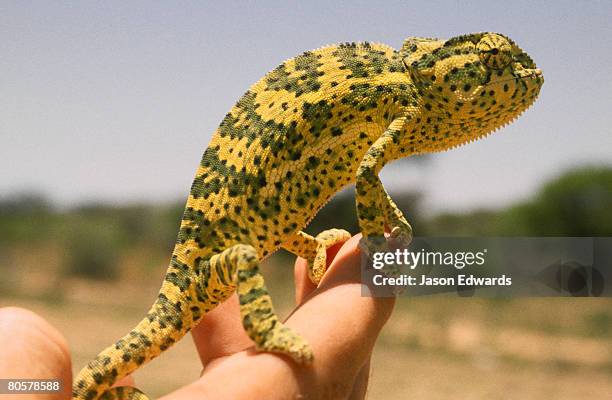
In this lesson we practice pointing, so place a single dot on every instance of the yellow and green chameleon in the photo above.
(316, 123)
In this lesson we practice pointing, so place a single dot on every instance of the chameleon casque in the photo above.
(316, 123)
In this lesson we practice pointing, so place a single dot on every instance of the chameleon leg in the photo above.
(258, 317)
(374, 207)
(314, 249)
(401, 230)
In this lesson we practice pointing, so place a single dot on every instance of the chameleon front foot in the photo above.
(400, 230)
(370, 245)
(399, 237)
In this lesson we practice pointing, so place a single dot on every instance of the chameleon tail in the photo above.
(168, 320)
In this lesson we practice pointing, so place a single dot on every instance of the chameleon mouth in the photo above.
(526, 73)
(533, 75)
(485, 127)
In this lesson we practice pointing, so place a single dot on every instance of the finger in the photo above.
(360, 387)
(303, 284)
(32, 348)
(125, 381)
(340, 324)
(220, 332)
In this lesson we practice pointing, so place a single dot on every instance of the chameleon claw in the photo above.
(395, 232)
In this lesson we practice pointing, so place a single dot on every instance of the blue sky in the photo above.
(116, 101)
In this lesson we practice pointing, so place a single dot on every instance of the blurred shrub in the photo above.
(97, 235)
(24, 217)
(341, 213)
(142, 224)
(578, 203)
(24, 203)
(93, 252)
(338, 213)
(475, 223)
(164, 225)
(599, 324)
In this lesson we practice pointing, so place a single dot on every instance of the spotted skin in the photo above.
(316, 123)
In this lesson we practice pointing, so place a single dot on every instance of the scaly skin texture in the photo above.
(316, 123)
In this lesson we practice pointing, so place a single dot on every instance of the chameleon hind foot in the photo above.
(256, 310)
(283, 340)
(314, 249)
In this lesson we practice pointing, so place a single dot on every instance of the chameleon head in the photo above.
(475, 83)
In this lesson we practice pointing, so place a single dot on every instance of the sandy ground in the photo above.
(432, 348)
(415, 358)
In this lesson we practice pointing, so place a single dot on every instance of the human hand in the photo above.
(340, 325)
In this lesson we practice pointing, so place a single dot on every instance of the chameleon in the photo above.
(318, 122)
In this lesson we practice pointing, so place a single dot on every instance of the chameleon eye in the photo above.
(495, 51)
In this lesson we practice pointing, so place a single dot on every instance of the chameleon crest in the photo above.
(316, 123)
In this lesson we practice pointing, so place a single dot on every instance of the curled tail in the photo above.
(180, 305)
(165, 323)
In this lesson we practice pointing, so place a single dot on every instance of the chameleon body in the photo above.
(316, 123)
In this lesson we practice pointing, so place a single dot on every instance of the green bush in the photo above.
(93, 252)
(24, 217)
(578, 203)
